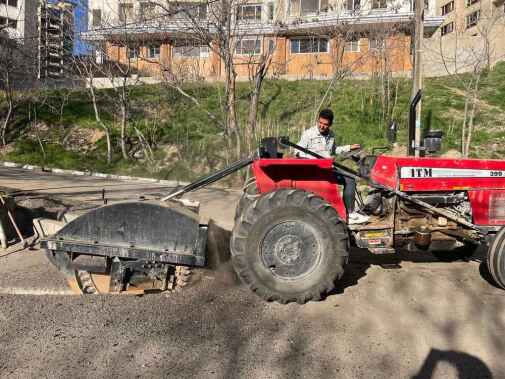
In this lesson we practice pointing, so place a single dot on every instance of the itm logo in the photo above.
(421, 172)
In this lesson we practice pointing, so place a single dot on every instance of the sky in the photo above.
(81, 25)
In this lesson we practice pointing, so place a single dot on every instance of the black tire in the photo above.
(496, 258)
(290, 245)
(250, 193)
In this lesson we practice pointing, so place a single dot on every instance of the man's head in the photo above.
(325, 121)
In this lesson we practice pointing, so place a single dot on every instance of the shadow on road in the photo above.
(467, 366)
(361, 260)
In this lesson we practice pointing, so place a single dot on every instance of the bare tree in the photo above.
(87, 69)
(222, 33)
(16, 70)
(466, 57)
(8, 51)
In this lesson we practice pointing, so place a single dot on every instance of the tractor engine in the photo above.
(426, 227)
(465, 191)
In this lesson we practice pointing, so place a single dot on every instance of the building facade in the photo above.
(306, 38)
(43, 36)
(472, 36)
(18, 18)
(55, 39)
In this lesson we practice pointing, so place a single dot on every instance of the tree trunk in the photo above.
(123, 132)
(10, 102)
(231, 111)
(255, 98)
(100, 122)
(6, 121)
(472, 116)
(463, 128)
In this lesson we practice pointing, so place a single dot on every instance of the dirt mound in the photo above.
(83, 139)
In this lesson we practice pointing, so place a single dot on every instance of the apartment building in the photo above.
(307, 38)
(55, 38)
(471, 36)
(18, 22)
(43, 32)
(17, 18)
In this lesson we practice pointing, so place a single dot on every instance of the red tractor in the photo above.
(291, 241)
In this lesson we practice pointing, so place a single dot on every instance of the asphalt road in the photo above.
(420, 318)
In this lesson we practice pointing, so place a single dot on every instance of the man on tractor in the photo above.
(321, 140)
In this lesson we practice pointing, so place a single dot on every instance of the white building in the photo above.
(18, 18)
(303, 33)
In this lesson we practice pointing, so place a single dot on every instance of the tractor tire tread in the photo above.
(289, 198)
(496, 258)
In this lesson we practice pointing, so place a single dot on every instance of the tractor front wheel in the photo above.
(289, 245)
(496, 258)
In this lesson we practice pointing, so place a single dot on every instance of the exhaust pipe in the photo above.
(412, 123)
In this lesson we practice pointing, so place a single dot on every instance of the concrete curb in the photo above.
(101, 175)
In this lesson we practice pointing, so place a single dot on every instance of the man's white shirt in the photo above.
(323, 145)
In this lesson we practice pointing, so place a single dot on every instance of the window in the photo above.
(447, 28)
(185, 9)
(9, 22)
(189, 51)
(448, 8)
(96, 17)
(376, 44)
(307, 7)
(309, 45)
(472, 19)
(249, 12)
(133, 52)
(352, 46)
(271, 46)
(153, 52)
(126, 12)
(12, 3)
(471, 2)
(147, 11)
(310, 6)
(249, 46)
(270, 11)
(379, 4)
(352, 5)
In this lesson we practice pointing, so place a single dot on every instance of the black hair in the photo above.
(327, 114)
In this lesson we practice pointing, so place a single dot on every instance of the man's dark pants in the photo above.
(349, 191)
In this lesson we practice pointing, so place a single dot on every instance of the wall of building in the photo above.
(394, 57)
(284, 10)
(25, 34)
(463, 48)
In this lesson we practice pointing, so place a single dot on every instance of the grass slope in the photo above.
(187, 142)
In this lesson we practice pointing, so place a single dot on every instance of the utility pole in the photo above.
(418, 68)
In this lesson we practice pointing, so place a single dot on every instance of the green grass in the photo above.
(171, 121)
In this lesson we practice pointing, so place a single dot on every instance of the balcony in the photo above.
(304, 16)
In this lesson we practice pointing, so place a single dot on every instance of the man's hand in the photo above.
(356, 146)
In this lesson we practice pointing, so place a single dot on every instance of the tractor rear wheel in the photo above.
(249, 194)
(290, 245)
(496, 258)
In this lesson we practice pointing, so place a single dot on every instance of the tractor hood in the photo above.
(411, 174)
